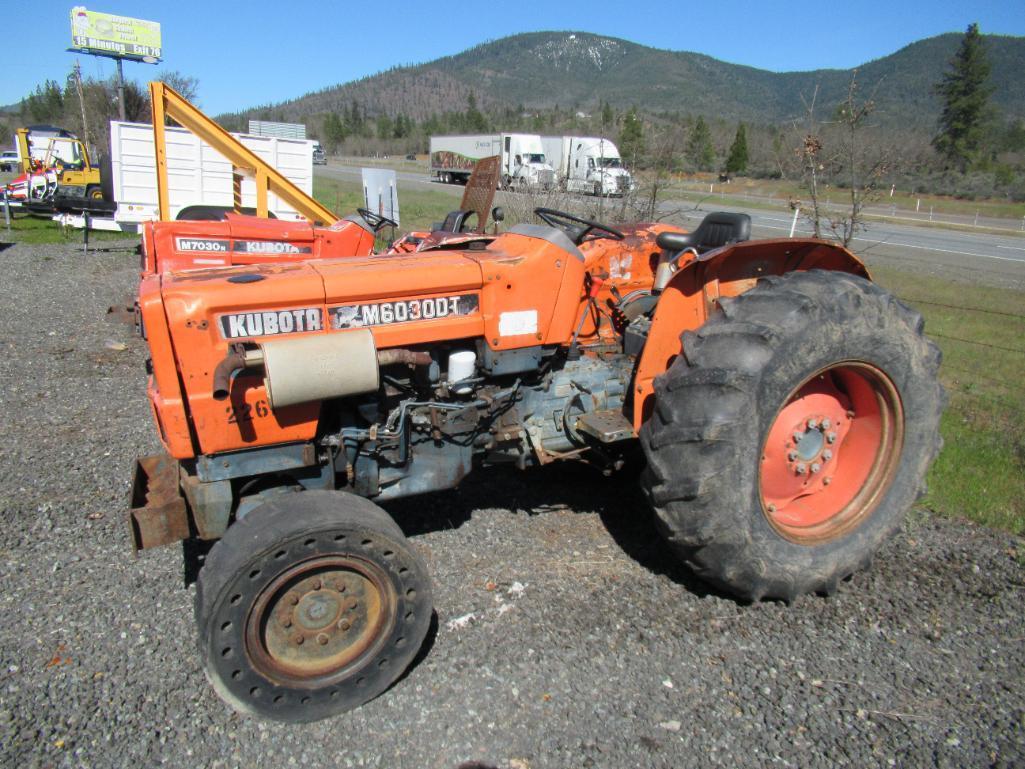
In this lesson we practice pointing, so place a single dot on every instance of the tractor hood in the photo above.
(520, 290)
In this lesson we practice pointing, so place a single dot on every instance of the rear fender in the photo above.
(693, 293)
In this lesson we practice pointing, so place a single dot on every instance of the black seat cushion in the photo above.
(456, 221)
(716, 230)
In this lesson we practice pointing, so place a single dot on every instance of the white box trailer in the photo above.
(522, 158)
(588, 164)
(199, 179)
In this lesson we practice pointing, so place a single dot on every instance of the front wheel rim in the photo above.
(831, 453)
(320, 621)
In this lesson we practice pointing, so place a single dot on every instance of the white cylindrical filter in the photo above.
(461, 365)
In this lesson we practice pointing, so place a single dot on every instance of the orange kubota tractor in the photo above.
(787, 408)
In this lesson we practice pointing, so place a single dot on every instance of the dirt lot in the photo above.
(566, 635)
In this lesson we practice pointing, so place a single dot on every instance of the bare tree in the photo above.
(810, 153)
(860, 163)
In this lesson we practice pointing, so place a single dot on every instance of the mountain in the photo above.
(578, 69)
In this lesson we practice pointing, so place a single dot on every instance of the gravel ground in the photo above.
(566, 635)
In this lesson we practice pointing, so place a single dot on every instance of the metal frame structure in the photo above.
(168, 103)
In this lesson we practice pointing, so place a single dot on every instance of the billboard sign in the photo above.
(121, 37)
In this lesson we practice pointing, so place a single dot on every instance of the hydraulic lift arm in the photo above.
(168, 103)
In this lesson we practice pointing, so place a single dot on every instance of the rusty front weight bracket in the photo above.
(158, 515)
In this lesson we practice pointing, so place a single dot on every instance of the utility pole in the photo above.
(81, 102)
(120, 89)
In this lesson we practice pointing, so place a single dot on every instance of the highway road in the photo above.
(974, 256)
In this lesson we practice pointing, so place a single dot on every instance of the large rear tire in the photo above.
(310, 605)
(792, 434)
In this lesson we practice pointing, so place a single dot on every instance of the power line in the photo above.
(979, 343)
(959, 307)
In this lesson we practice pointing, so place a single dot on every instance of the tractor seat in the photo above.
(456, 221)
(716, 230)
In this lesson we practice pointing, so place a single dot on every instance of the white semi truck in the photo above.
(523, 159)
(199, 179)
(588, 164)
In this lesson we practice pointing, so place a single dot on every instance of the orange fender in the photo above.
(695, 290)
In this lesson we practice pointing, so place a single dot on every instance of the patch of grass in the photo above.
(980, 474)
(418, 207)
(37, 229)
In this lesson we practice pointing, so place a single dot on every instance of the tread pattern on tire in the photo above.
(708, 426)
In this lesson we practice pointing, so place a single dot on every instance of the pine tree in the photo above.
(965, 95)
(334, 131)
(475, 120)
(631, 138)
(700, 152)
(46, 105)
(736, 162)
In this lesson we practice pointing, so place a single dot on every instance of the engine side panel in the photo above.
(206, 312)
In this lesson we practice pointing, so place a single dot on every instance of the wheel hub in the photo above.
(830, 452)
(319, 618)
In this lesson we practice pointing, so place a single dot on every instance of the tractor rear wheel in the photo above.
(792, 433)
(310, 605)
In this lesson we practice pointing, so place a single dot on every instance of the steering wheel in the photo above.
(376, 221)
(576, 228)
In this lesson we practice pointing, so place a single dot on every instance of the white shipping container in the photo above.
(197, 175)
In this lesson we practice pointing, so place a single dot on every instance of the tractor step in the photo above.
(607, 426)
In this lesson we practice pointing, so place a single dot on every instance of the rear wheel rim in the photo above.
(831, 453)
(320, 621)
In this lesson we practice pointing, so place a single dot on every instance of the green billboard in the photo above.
(107, 34)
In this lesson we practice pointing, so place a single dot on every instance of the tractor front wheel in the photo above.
(792, 433)
(310, 605)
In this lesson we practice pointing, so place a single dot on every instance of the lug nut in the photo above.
(299, 639)
(791, 455)
(317, 584)
(830, 437)
(812, 424)
(826, 481)
(287, 622)
(827, 455)
(322, 638)
(350, 604)
(771, 508)
(801, 469)
(344, 624)
(293, 599)
(797, 436)
(826, 424)
(816, 467)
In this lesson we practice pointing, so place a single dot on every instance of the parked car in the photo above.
(9, 160)
(319, 156)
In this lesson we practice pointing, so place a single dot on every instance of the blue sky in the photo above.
(262, 51)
